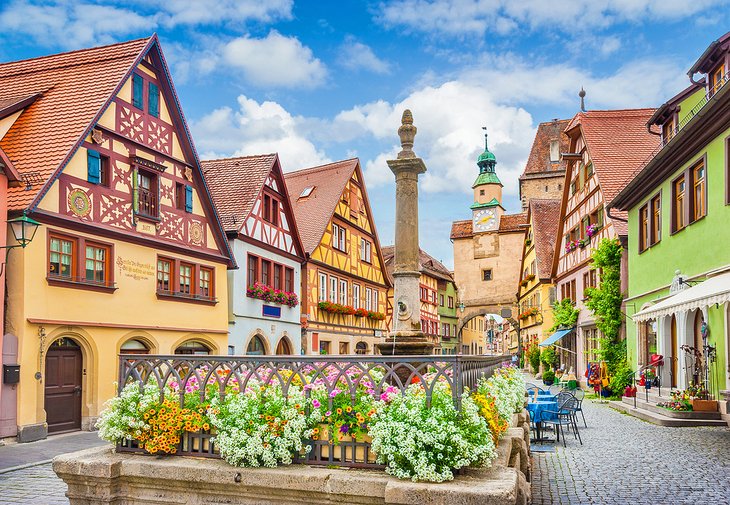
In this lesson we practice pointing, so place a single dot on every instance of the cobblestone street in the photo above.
(625, 460)
(36, 485)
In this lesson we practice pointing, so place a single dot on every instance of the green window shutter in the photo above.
(137, 91)
(135, 191)
(188, 198)
(154, 100)
(93, 162)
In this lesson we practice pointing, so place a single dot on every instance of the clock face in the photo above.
(485, 219)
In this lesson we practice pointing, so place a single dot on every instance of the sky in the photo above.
(320, 81)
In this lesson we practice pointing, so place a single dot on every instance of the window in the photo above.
(368, 299)
(656, 219)
(97, 168)
(186, 278)
(147, 194)
(343, 292)
(481, 192)
(487, 274)
(356, 296)
(338, 237)
(343, 238)
(138, 91)
(322, 287)
(278, 269)
(193, 347)
(289, 280)
(679, 204)
(554, 151)
(266, 272)
(596, 217)
(256, 346)
(183, 197)
(97, 263)
(451, 302)
(153, 100)
(164, 267)
(376, 300)
(668, 130)
(716, 79)
(365, 250)
(589, 279)
(643, 228)
(533, 268)
(333, 289)
(61, 257)
(650, 224)
(589, 171)
(253, 269)
(344, 348)
(700, 192)
(567, 290)
(441, 300)
(206, 282)
(361, 348)
(271, 210)
(324, 347)
(306, 192)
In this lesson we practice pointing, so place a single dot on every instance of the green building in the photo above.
(679, 232)
(447, 314)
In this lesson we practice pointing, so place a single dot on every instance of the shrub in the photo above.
(548, 357)
(534, 358)
(548, 377)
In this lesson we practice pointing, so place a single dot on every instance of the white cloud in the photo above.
(199, 12)
(256, 128)
(275, 60)
(464, 17)
(358, 56)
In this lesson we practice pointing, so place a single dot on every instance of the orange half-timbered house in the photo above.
(131, 256)
(253, 203)
(605, 149)
(344, 284)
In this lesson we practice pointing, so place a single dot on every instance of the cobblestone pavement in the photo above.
(624, 460)
(13, 455)
(36, 485)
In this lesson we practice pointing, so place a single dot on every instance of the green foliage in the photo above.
(548, 357)
(548, 376)
(621, 378)
(533, 355)
(565, 314)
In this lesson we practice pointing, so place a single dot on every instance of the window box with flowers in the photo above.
(268, 294)
(572, 245)
(361, 313)
(527, 280)
(532, 311)
(336, 308)
(592, 230)
(376, 316)
(584, 242)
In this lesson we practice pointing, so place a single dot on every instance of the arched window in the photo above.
(134, 346)
(193, 347)
(256, 346)
(361, 348)
(283, 347)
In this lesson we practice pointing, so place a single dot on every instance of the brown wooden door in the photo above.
(63, 386)
(674, 358)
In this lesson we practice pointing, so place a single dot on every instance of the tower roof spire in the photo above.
(486, 161)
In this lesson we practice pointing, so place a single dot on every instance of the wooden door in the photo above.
(674, 357)
(63, 386)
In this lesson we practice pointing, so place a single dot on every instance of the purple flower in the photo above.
(315, 403)
(328, 413)
(344, 428)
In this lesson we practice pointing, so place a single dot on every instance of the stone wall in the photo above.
(101, 476)
(535, 188)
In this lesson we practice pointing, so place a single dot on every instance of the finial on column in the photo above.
(582, 95)
(407, 132)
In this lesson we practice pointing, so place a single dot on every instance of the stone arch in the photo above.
(143, 336)
(284, 346)
(202, 338)
(472, 312)
(252, 341)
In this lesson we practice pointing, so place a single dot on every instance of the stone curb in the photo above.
(22, 467)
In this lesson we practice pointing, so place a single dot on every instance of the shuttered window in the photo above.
(93, 162)
(188, 198)
(153, 100)
(137, 91)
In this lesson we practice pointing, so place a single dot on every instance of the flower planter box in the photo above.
(343, 448)
(704, 405)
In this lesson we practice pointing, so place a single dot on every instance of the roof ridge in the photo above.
(82, 50)
(642, 109)
(318, 167)
(239, 157)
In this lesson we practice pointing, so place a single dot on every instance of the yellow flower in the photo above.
(348, 409)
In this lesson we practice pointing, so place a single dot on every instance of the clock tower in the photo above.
(487, 207)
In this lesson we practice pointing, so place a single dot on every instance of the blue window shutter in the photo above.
(93, 161)
(188, 198)
(137, 91)
(154, 100)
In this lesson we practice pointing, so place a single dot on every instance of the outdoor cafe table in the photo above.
(540, 411)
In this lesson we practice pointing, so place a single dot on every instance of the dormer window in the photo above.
(668, 130)
(717, 79)
(306, 192)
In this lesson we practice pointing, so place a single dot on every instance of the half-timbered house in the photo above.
(605, 149)
(131, 257)
(344, 284)
(253, 204)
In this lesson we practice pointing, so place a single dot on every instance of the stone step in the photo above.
(653, 395)
(653, 407)
(663, 420)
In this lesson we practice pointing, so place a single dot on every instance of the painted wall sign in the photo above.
(135, 269)
(271, 311)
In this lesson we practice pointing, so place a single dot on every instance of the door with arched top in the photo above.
(62, 395)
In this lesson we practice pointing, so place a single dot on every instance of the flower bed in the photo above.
(271, 416)
(268, 294)
(336, 308)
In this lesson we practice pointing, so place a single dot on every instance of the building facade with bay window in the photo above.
(679, 207)
(130, 256)
(264, 293)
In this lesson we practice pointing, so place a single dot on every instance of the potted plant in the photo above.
(548, 377)
(648, 375)
(700, 399)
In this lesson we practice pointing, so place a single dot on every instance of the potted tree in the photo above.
(548, 377)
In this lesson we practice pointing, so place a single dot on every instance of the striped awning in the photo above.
(713, 290)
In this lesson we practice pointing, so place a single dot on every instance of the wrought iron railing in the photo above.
(342, 373)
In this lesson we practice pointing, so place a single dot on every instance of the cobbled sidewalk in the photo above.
(36, 485)
(624, 460)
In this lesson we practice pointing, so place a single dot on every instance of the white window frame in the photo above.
(343, 292)
(356, 295)
(333, 289)
(322, 287)
(368, 299)
(343, 239)
(376, 300)
(335, 236)
(554, 150)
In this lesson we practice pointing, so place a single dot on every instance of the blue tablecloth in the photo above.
(538, 409)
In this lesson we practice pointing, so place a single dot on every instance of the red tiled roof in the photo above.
(461, 229)
(73, 87)
(314, 212)
(513, 222)
(544, 217)
(428, 264)
(618, 143)
(539, 160)
(235, 183)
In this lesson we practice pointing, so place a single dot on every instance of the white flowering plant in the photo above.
(507, 387)
(262, 427)
(123, 416)
(427, 443)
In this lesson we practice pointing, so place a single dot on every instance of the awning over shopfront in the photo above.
(713, 290)
(556, 336)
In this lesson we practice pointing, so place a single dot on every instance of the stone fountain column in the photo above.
(406, 337)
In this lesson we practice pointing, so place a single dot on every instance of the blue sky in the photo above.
(319, 81)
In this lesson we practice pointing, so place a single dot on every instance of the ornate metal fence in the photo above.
(337, 374)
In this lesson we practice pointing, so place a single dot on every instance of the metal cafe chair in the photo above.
(564, 416)
(579, 396)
